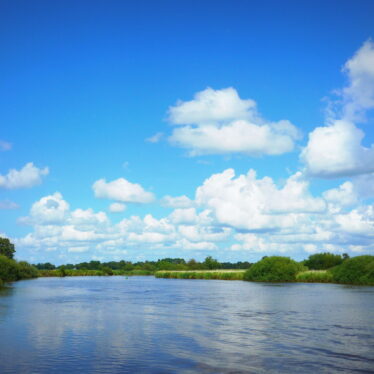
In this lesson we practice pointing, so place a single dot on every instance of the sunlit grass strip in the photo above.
(315, 276)
(202, 274)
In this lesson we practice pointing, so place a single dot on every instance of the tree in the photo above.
(323, 261)
(211, 263)
(6, 248)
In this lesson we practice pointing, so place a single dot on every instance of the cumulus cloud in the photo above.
(336, 149)
(27, 177)
(249, 203)
(220, 122)
(230, 212)
(51, 209)
(177, 202)
(359, 94)
(122, 190)
(117, 207)
(342, 196)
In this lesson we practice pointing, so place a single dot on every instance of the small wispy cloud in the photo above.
(8, 205)
(5, 146)
(155, 138)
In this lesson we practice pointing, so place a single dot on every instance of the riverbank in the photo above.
(236, 274)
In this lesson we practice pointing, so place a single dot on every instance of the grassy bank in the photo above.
(315, 276)
(236, 274)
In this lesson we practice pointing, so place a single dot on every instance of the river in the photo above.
(148, 325)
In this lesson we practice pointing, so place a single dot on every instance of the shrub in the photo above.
(26, 271)
(274, 269)
(323, 261)
(8, 269)
(11, 270)
(356, 270)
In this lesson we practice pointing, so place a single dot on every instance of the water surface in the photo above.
(149, 325)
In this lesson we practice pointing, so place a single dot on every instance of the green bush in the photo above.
(323, 261)
(1, 283)
(356, 270)
(26, 271)
(8, 269)
(11, 270)
(274, 269)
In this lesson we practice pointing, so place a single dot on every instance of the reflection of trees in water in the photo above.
(5, 292)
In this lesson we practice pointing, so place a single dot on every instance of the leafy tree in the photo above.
(274, 269)
(211, 263)
(6, 248)
(46, 266)
(323, 261)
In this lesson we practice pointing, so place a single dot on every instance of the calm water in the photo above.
(148, 325)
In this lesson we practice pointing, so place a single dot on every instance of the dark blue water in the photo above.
(148, 325)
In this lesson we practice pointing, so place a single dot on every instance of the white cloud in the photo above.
(212, 106)
(184, 216)
(219, 122)
(5, 146)
(79, 249)
(359, 94)
(117, 208)
(336, 150)
(122, 190)
(177, 202)
(155, 138)
(359, 221)
(249, 203)
(27, 177)
(342, 196)
(50, 209)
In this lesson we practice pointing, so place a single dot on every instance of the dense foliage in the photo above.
(127, 267)
(323, 261)
(274, 269)
(6, 248)
(11, 270)
(356, 270)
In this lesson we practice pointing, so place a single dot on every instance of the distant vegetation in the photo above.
(318, 268)
(137, 268)
(234, 274)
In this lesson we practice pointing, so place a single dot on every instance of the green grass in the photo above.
(315, 276)
(202, 274)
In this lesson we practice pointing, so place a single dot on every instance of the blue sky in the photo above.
(169, 98)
